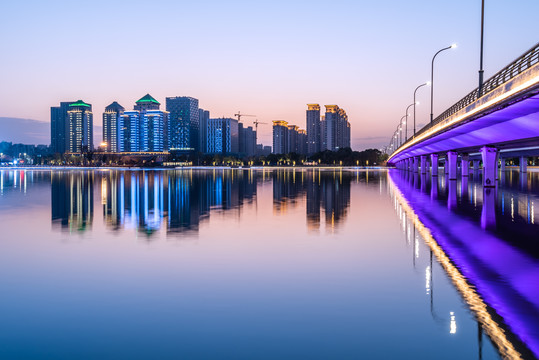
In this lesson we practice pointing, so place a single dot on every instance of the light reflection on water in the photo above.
(279, 263)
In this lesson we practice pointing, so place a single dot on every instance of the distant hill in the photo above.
(24, 131)
(31, 132)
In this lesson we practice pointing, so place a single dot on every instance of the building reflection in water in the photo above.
(495, 274)
(323, 189)
(72, 200)
(176, 200)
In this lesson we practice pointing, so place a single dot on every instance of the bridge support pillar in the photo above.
(502, 164)
(423, 164)
(523, 164)
(416, 164)
(434, 164)
(497, 162)
(452, 164)
(490, 166)
(464, 164)
(476, 165)
(408, 166)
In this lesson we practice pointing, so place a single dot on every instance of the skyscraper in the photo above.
(292, 142)
(336, 129)
(60, 128)
(313, 129)
(280, 137)
(302, 142)
(111, 118)
(184, 124)
(247, 143)
(81, 127)
(222, 136)
(203, 117)
(144, 128)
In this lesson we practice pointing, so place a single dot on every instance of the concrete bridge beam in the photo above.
(464, 164)
(452, 164)
(490, 166)
(434, 164)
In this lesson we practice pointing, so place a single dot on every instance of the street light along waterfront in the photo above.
(432, 78)
(406, 128)
(406, 115)
(425, 84)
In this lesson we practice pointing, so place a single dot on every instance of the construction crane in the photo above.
(256, 122)
(239, 115)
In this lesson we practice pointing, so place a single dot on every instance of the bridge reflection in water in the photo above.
(483, 238)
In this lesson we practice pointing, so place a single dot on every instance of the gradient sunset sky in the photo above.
(268, 58)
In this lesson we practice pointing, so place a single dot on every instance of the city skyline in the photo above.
(383, 54)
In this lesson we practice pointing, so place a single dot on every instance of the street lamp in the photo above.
(481, 51)
(425, 84)
(405, 128)
(432, 76)
(406, 116)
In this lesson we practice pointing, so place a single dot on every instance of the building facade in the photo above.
(203, 117)
(222, 136)
(335, 129)
(184, 123)
(144, 128)
(111, 118)
(60, 128)
(313, 129)
(280, 137)
(247, 143)
(302, 142)
(81, 127)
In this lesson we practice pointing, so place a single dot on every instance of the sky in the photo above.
(266, 58)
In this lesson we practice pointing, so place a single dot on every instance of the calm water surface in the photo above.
(266, 264)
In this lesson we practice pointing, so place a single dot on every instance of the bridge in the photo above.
(499, 121)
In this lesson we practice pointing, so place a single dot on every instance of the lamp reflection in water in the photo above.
(453, 323)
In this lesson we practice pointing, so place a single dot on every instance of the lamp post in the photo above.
(480, 92)
(425, 84)
(406, 116)
(405, 128)
(432, 76)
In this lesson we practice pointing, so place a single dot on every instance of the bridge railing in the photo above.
(524, 62)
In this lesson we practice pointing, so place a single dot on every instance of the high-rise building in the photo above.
(280, 137)
(302, 142)
(203, 117)
(60, 128)
(144, 128)
(292, 142)
(184, 124)
(313, 129)
(222, 136)
(336, 129)
(111, 118)
(247, 143)
(323, 145)
(81, 127)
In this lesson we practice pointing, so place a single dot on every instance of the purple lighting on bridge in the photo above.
(505, 277)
